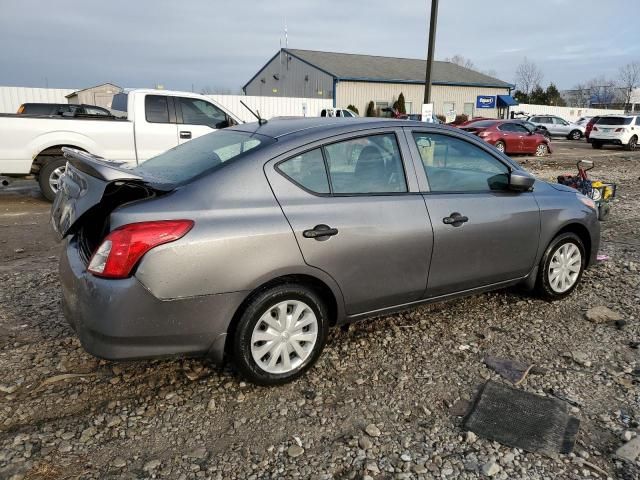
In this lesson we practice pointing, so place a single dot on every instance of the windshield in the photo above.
(614, 121)
(209, 152)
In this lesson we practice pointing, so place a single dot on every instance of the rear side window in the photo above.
(615, 121)
(307, 170)
(637, 120)
(201, 155)
(119, 102)
(366, 165)
(156, 109)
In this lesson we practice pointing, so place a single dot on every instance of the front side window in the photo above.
(455, 165)
(519, 128)
(200, 112)
(507, 127)
(156, 109)
(308, 170)
(366, 165)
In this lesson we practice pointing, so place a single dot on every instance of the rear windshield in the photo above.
(204, 154)
(614, 121)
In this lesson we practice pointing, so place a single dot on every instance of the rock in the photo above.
(627, 435)
(151, 465)
(372, 430)
(87, 433)
(405, 457)
(420, 469)
(211, 405)
(581, 359)
(199, 453)
(8, 388)
(630, 450)
(372, 467)
(365, 443)
(119, 462)
(490, 468)
(65, 447)
(295, 451)
(470, 437)
(602, 314)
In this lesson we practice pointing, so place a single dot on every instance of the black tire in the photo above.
(633, 144)
(254, 309)
(46, 172)
(596, 145)
(504, 147)
(575, 135)
(543, 284)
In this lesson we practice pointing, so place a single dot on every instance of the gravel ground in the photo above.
(381, 402)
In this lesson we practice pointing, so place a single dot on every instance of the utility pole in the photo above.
(431, 48)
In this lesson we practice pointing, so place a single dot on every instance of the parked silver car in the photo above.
(559, 127)
(251, 242)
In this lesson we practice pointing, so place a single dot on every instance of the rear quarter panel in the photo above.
(240, 240)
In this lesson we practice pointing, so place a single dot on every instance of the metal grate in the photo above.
(523, 420)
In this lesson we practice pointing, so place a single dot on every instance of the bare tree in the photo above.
(579, 96)
(460, 60)
(528, 75)
(602, 91)
(629, 77)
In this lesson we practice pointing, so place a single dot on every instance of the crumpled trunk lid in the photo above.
(92, 188)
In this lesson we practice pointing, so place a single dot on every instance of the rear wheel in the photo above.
(633, 143)
(50, 175)
(500, 146)
(280, 334)
(561, 266)
(596, 145)
(575, 135)
(541, 150)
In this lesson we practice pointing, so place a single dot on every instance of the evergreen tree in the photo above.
(538, 96)
(353, 108)
(371, 109)
(520, 96)
(401, 106)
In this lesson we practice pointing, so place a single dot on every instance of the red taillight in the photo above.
(125, 246)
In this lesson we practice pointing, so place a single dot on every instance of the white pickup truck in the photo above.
(145, 123)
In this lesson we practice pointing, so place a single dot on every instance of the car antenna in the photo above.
(256, 114)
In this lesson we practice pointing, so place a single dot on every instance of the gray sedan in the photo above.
(251, 242)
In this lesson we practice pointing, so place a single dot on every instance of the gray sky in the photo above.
(221, 44)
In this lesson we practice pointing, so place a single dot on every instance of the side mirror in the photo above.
(521, 181)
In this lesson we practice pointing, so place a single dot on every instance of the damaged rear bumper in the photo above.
(122, 320)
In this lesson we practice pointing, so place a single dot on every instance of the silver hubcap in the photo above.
(500, 146)
(565, 267)
(284, 336)
(54, 179)
(541, 150)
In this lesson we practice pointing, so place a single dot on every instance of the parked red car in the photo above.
(510, 137)
(589, 127)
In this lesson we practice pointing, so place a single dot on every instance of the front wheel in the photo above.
(50, 175)
(280, 334)
(561, 267)
(633, 143)
(575, 135)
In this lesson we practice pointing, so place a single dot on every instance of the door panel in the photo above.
(499, 241)
(157, 132)
(483, 234)
(380, 243)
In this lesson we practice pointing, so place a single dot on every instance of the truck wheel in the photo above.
(49, 177)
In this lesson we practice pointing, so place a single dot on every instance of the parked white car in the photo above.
(338, 112)
(623, 130)
(558, 127)
(149, 122)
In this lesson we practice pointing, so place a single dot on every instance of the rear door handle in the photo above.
(320, 232)
(455, 219)
(185, 135)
